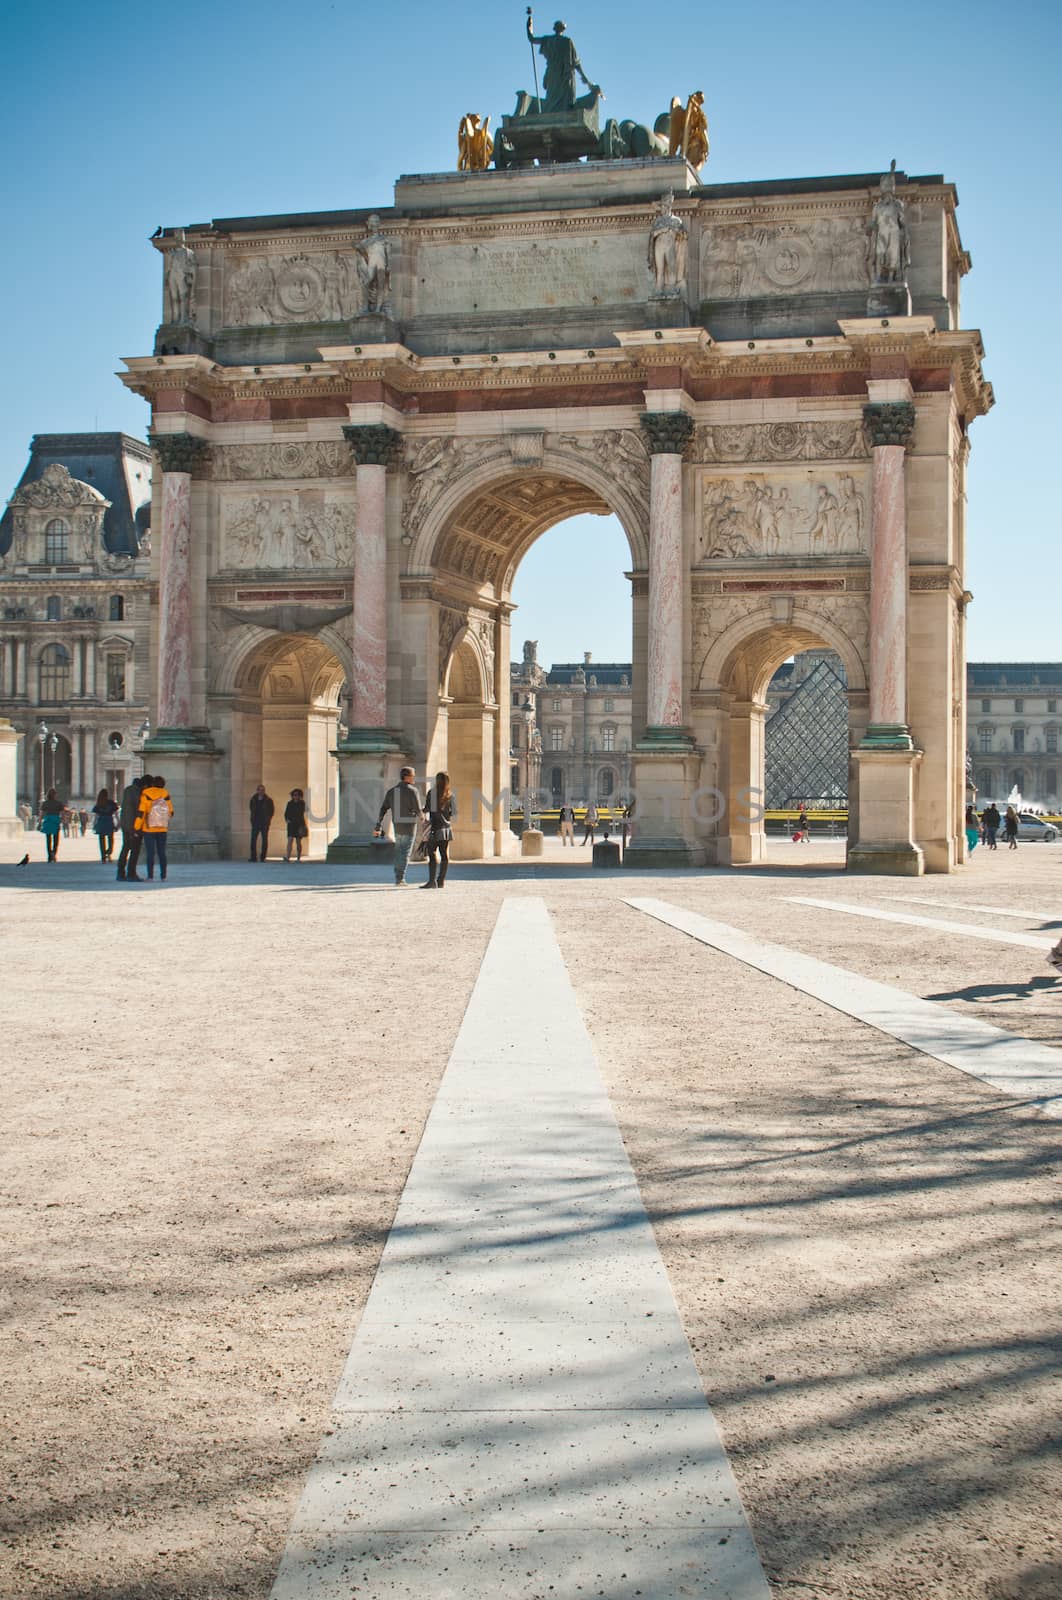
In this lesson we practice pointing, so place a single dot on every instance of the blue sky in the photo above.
(116, 118)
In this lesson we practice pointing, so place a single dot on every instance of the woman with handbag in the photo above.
(441, 809)
(295, 817)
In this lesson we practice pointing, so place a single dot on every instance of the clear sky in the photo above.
(117, 117)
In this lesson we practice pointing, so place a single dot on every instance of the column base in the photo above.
(656, 740)
(664, 776)
(884, 838)
(369, 763)
(186, 759)
(887, 736)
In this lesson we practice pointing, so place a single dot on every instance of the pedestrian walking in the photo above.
(104, 820)
(66, 821)
(566, 820)
(129, 854)
(973, 829)
(441, 808)
(589, 823)
(262, 809)
(83, 822)
(52, 813)
(403, 801)
(803, 830)
(295, 820)
(153, 822)
(990, 823)
(1010, 828)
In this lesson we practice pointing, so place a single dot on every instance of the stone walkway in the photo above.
(1004, 1060)
(520, 1415)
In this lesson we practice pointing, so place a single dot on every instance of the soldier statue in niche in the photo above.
(888, 243)
(178, 284)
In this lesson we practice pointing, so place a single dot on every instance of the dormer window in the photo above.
(56, 542)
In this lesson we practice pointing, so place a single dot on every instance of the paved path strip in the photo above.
(969, 930)
(1005, 1061)
(994, 911)
(520, 1415)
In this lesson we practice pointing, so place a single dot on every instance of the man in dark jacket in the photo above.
(261, 817)
(130, 851)
(990, 823)
(406, 807)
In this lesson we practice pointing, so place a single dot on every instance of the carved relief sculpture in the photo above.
(667, 250)
(305, 530)
(742, 261)
(178, 284)
(780, 441)
(750, 517)
(294, 458)
(431, 464)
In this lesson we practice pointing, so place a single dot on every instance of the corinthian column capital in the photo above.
(179, 452)
(372, 444)
(667, 433)
(889, 422)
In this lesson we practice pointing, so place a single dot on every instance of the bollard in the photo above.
(531, 842)
(606, 854)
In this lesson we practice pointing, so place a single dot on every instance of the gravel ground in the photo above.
(219, 1084)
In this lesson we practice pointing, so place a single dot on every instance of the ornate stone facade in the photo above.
(389, 408)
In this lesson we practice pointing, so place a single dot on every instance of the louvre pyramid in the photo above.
(807, 742)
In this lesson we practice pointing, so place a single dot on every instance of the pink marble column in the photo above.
(368, 701)
(667, 435)
(372, 447)
(177, 454)
(889, 427)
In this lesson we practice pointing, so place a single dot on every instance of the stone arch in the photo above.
(276, 705)
(804, 629)
(471, 719)
(467, 664)
(521, 502)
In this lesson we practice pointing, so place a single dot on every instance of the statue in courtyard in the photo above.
(375, 256)
(562, 63)
(474, 143)
(668, 243)
(888, 244)
(178, 284)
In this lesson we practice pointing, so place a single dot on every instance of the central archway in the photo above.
(469, 551)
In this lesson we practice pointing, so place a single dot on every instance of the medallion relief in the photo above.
(292, 458)
(302, 528)
(261, 291)
(786, 516)
(740, 261)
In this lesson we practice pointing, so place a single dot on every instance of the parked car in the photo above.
(1030, 826)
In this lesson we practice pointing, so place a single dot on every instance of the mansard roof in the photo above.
(1008, 676)
(116, 465)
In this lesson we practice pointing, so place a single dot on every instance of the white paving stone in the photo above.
(969, 930)
(1006, 1061)
(520, 1414)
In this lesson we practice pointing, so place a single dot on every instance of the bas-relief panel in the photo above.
(264, 291)
(287, 528)
(525, 274)
(740, 261)
(289, 458)
(782, 514)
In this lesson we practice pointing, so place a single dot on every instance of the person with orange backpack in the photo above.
(153, 821)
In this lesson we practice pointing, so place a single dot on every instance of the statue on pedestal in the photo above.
(562, 63)
(888, 243)
(178, 284)
(374, 254)
(668, 244)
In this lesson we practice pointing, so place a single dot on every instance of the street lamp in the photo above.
(42, 739)
(53, 745)
(142, 734)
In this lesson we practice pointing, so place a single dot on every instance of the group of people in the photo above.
(143, 817)
(987, 828)
(420, 821)
(592, 821)
(262, 812)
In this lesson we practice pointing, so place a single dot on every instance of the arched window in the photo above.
(54, 675)
(56, 535)
(117, 608)
(54, 610)
(606, 782)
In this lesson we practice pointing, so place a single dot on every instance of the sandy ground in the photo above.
(215, 1088)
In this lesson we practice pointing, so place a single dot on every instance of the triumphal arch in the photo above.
(363, 421)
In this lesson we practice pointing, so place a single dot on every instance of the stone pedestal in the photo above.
(886, 814)
(187, 759)
(375, 327)
(665, 787)
(11, 825)
(607, 854)
(369, 764)
(531, 842)
(889, 300)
